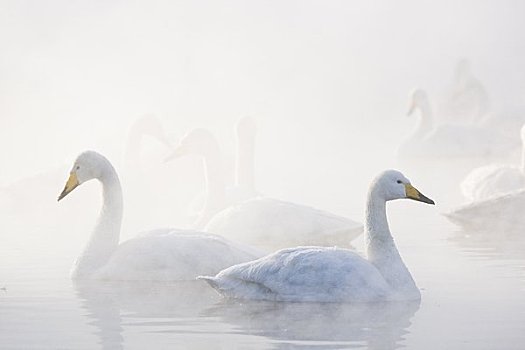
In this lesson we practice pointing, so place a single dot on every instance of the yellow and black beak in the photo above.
(413, 193)
(71, 184)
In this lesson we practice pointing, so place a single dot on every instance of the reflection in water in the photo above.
(103, 311)
(110, 305)
(321, 325)
(497, 245)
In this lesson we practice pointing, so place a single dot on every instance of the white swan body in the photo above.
(468, 101)
(274, 223)
(495, 179)
(449, 140)
(165, 254)
(503, 213)
(321, 274)
(172, 255)
(505, 122)
(492, 180)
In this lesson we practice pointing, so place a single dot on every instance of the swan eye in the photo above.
(399, 181)
(78, 167)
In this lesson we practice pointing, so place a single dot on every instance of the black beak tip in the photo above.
(427, 200)
(62, 195)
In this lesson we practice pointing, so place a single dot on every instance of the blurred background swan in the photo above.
(217, 194)
(318, 274)
(271, 224)
(467, 101)
(495, 179)
(449, 140)
(163, 254)
(146, 126)
(495, 215)
(200, 142)
(145, 177)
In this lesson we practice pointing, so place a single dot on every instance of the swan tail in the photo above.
(212, 281)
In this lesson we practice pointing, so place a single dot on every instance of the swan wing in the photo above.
(173, 255)
(491, 180)
(499, 213)
(278, 223)
(317, 274)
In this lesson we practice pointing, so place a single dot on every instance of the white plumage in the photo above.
(274, 223)
(503, 213)
(164, 254)
(172, 254)
(449, 140)
(202, 143)
(321, 274)
(495, 179)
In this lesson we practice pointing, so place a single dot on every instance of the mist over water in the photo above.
(328, 85)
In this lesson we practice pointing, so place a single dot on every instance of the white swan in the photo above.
(202, 143)
(468, 101)
(145, 126)
(495, 215)
(164, 254)
(27, 203)
(320, 274)
(451, 140)
(272, 223)
(495, 179)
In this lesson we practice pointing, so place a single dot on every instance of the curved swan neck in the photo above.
(381, 249)
(426, 118)
(105, 237)
(244, 164)
(215, 185)
(376, 222)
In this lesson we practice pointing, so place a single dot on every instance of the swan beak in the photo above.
(71, 184)
(177, 153)
(413, 193)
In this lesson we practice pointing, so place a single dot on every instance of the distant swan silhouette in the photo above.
(448, 140)
(495, 179)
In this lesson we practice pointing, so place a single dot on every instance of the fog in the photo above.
(328, 85)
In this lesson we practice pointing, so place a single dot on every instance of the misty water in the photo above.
(327, 83)
(472, 298)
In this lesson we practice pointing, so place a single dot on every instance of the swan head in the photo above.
(246, 127)
(87, 166)
(149, 125)
(392, 184)
(418, 97)
(198, 142)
